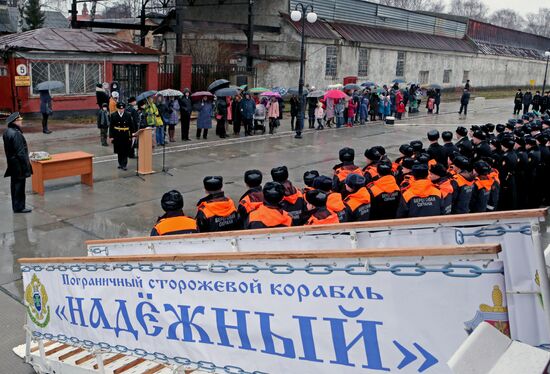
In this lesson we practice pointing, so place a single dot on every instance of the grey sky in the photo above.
(521, 6)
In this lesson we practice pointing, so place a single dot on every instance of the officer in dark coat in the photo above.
(463, 143)
(19, 165)
(521, 173)
(534, 173)
(507, 176)
(481, 147)
(448, 145)
(436, 150)
(120, 133)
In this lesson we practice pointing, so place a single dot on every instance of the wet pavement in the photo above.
(123, 205)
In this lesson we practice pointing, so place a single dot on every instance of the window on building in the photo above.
(79, 79)
(465, 76)
(331, 66)
(447, 76)
(424, 77)
(363, 63)
(400, 67)
(3, 71)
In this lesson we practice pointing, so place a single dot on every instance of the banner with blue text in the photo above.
(338, 315)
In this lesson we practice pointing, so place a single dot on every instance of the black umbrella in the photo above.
(294, 91)
(218, 84)
(229, 91)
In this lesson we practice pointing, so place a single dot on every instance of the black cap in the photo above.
(323, 182)
(253, 178)
(489, 127)
(380, 149)
(346, 154)
(317, 198)
(120, 105)
(439, 170)
(309, 177)
(417, 145)
(447, 136)
(495, 142)
(420, 171)
(406, 150)
(525, 117)
(461, 162)
(530, 140)
(172, 201)
(482, 167)
(508, 143)
(433, 135)
(462, 131)
(520, 141)
(512, 121)
(408, 163)
(273, 192)
(12, 117)
(131, 99)
(212, 183)
(500, 128)
(279, 174)
(474, 128)
(373, 154)
(384, 168)
(478, 134)
(542, 139)
(424, 158)
(355, 181)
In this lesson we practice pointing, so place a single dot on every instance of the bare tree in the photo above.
(470, 8)
(539, 23)
(55, 5)
(428, 5)
(507, 18)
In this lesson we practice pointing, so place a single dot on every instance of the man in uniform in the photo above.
(358, 200)
(334, 199)
(344, 168)
(373, 157)
(404, 175)
(464, 180)
(482, 187)
(270, 214)
(19, 165)
(534, 173)
(442, 180)
(309, 177)
(317, 209)
(252, 198)
(522, 185)
(463, 144)
(481, 147)
(173, 222)
(507, 175)
(216, 212)
(448, 146)
(385, 194)
(422, 199)
(293, 201)
(120, 133)
(435, 150)
(132, 109)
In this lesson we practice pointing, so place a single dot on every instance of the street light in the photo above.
(296, 15)
(547, 54)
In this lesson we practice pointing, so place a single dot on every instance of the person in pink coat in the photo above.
(352, 107)
(273, 114)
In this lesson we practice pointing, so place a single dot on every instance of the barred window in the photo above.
(465, 76)
(78, 78)
(400, 66)
(363, 63)
(423, 77)
(331, 66)
(447, 76)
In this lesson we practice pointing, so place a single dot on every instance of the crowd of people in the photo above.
(481, 169)
(524, 102)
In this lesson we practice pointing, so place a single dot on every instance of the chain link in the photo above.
(156, 356)
(488, 231)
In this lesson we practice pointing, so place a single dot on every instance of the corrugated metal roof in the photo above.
(491, 34)
(317, 30)
(502, 50)
(389, 37)
(70, 40)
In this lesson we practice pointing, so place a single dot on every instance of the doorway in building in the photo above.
(131, 79)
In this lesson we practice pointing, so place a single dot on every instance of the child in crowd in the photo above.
(319, 114)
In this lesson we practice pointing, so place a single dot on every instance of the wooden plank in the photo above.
(84, 359)
(343, 227)
(70, 354)
(478, 249)
(154, 369)
(129, 366)
(66, 156)
(46, 344)
(57, 349)
(110, 360)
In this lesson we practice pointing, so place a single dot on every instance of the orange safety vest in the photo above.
(176, 225)
(385, 184)
(371, 171)
(461, 181)
(270, 216)
(222, 208)
(343, 171)
(332, 218)
(421, 188)
(446, 188)
(484, 183)
(250, 205)
(495, 176)
(358, 198)
(408, 179)
(335, 203)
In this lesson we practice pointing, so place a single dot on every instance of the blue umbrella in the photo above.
(144, 95)
(49, 85)
(399, 80)
(228, 91)
(368, 84)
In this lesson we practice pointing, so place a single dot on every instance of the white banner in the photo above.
(271, 316)
(528, 317)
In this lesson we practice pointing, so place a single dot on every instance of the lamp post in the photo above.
(296, 15)
(547, 54)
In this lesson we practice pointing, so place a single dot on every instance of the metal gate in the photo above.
(204, 74)
(169, 76)
(131, 79)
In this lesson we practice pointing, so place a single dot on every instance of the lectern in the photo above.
(145, 151)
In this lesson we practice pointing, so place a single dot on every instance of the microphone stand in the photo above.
(164, 168)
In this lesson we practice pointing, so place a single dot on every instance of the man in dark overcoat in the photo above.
(120, 133)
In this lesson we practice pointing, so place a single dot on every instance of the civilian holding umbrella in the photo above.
(45, 109)
(247, 108)
(273, 113)
(204, 109)
(186, 107)
(221, 116)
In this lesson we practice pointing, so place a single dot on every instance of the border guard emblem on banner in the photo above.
(496, 315)
(36, 299)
